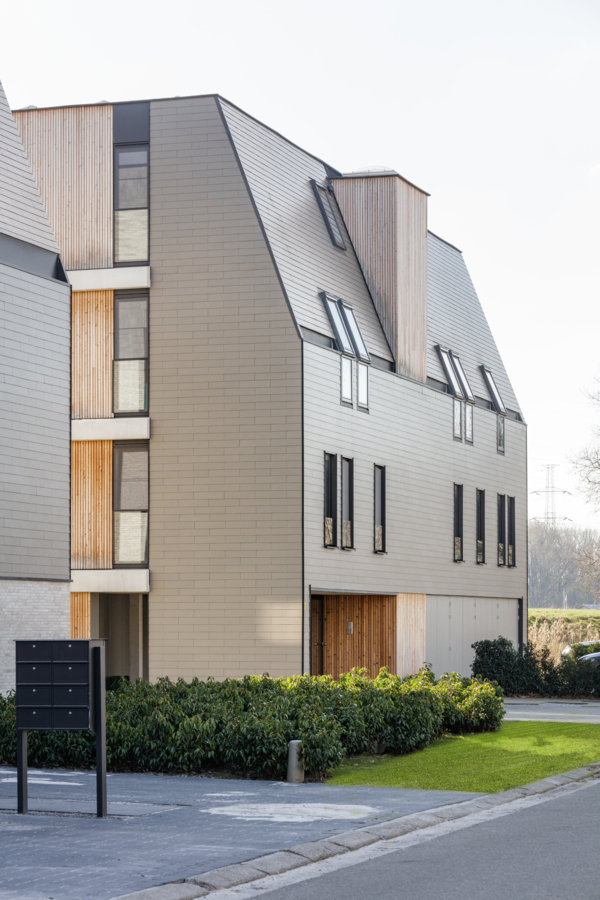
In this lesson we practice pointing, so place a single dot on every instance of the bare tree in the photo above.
(561, 561)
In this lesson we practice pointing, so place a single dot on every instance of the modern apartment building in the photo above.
(295, 446)
(35, 329)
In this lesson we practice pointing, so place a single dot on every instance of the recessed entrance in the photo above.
(352, 631)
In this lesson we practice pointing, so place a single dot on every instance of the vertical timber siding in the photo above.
(387, 221)
(410, 646)
(93, 343)
(70, 151)
(80, 616)
(225, 404)
(373, 641)
(91, 500)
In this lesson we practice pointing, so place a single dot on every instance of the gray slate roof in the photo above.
(22, 213)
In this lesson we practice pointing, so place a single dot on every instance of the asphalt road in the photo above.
(545, 852)
(587, 712)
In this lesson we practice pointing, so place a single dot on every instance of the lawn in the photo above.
(571, 616)
(518, 753)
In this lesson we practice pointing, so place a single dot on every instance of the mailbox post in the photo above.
(61, 686)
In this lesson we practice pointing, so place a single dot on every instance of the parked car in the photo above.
(567, 650)
(594, 658)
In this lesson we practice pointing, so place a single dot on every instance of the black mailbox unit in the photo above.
(61, 686)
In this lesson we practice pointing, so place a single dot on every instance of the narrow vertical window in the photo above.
(512, 558)
(501, 530)
(130, 504)
(379, 509)
(346, 379)
(480, 526)
(330, 505)
(363, 386)
(458, 522)
(131, 203)
(347, 503)
(469, 422)
(500, 434)
(130, 365)
(458, 419)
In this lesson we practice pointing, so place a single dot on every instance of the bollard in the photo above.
(295, 769)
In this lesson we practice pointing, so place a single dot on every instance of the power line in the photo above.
(550, 492)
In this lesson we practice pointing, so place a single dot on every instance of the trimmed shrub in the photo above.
(534, 672)
(244, 726)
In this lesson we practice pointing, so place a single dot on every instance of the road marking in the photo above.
(292, 812)
(42, 781)
(382, 848)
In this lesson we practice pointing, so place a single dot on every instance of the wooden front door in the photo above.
(352, 631)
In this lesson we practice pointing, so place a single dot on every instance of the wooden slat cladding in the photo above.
(93, 343)
(70, 151)
(387, 222)
(80, 616)
(410, 650)
(372, 643)
(91, 504)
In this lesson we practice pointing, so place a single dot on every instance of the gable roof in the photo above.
(455, 319)
(22, 213)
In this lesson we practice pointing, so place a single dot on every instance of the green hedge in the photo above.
(243, 726)
(534, 672)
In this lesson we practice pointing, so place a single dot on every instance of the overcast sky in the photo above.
(491, 107)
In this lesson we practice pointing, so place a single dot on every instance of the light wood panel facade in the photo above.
(386, 218)
(93, 351)
(410, 632)
(372, 643)
(80, 616)
(70, 151)
(91, 504)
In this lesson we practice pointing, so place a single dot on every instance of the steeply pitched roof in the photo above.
(279, 176)
(22, 213)
(455, 319)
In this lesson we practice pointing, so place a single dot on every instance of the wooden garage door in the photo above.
(371, 643)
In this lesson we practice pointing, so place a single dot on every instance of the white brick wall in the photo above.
(30, 609)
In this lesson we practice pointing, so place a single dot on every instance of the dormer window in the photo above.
(328, 212)
(348, 336)
(464, 382)
(493, 390)
(450, 372)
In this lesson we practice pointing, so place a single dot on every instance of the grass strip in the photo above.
(518, 753)
(570, 616)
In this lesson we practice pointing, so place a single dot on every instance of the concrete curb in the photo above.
(315, 851)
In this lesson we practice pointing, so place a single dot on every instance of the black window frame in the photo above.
(511, 538)
(126, 296)
(501, 543)
(469, 415)
(462, 377)
(116, 446)
(490, 383)
(330, 497)
(323, 195)
(343, 341)
(379, 514)
(454, 384)
(501, 430)
(457, 404)
(350, 320)
(347, 495)
(458, 523)
(116, 149)
(480, 526)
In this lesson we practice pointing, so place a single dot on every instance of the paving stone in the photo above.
(538, 787)
(168, 892)
(282, 861)
(578, 774)
(317, 850)
(227, 876)
(506, 796)
(388, 830)
(353, 840)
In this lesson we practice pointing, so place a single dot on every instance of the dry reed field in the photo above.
(555, 629)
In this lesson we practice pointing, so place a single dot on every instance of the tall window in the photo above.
(480, 526)
(347, 503)
(469, 422)
(328, 212)
(457, 428)
(512, 559)
(330, 505)
(130, 367)
(501, 530)
(130, 504)
(379, 509)
(131, 203)
(500, 434)
(363, 386)
(458, 522)
(346, 379)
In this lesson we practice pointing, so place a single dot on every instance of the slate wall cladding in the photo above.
(35, 320)
(30, 609)
(225, 404)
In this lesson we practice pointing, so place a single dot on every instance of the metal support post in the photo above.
(295, 768)
(100, 727)
(22, 800)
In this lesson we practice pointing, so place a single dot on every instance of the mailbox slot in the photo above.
(70, 673)
(34, 695)
(78, 695)
(34, 673)
(70, 718)
(34, 651)
(34, 719)
(70, 651)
